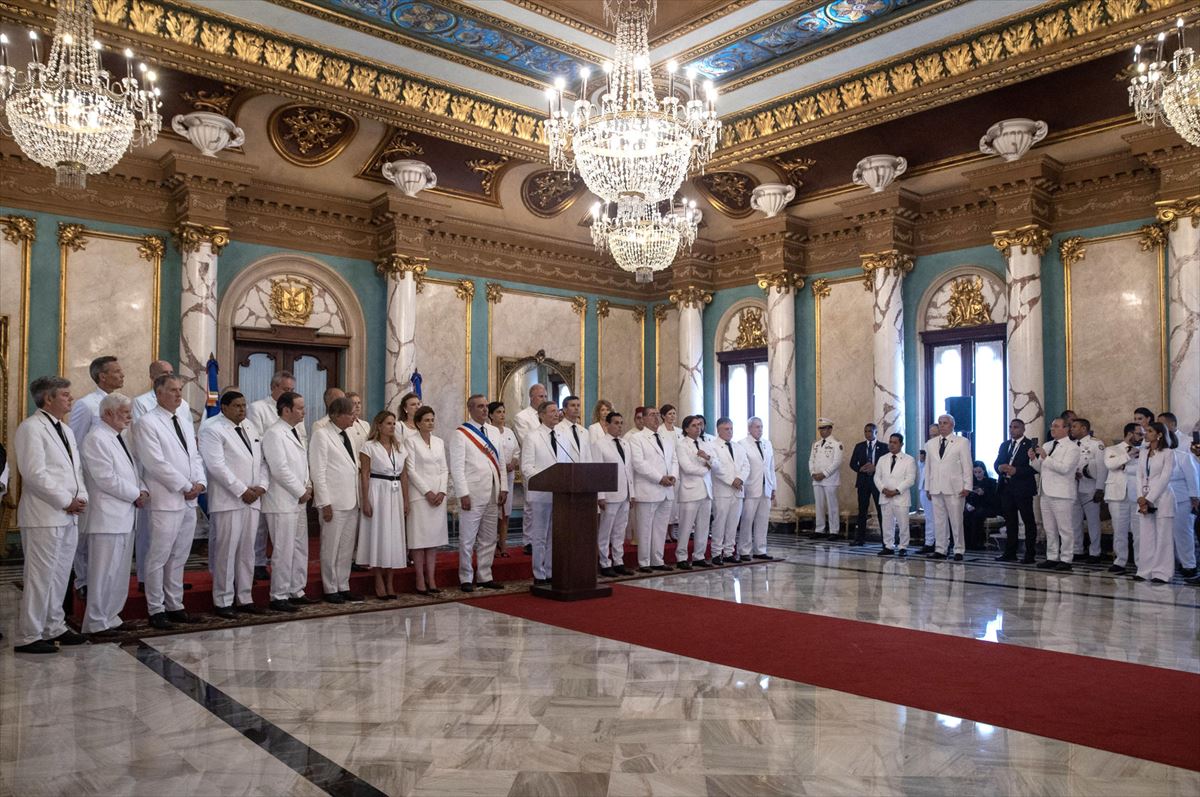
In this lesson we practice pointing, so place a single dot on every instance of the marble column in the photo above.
(404, 275)
(1182, 222)
(691, 301)
(200, 245)
(1023, 248)
(781, 290)
(886, 271)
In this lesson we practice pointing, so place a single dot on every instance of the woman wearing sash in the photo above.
(428, 481)
(383, 484)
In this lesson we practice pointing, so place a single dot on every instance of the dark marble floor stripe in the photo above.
(323, 773)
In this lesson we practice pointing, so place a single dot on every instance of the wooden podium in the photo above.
(575, 555)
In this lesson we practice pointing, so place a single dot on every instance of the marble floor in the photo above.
(457, 700)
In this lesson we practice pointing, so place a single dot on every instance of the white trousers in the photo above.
(538, 517)
(828, 519)
(49, 551)
(289, 553)
(947, 520)
(726, 514)
(694, 516)
(752, 526)
(109, 558)
(232, 556)
(1058, 521)
(1155, 557)
(141, 542)
(477, 533)
(652, 519)
(1087, 509)
(80, 564)
(895, 524)
(927, 513)
(338, 538)
(1185, 537)
(260, 541)
(1123, 515)
(610, 536)
(171, 533)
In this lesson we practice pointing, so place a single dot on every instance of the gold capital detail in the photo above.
(1029, 237)
(752, 332)
(820, 289)
(691, 296)
(71, 236)
(494, 292)
(1152, 236)
(465, 290)
(1169, 213)
(18, 228)
(187, 237)
(967, 305)
(397, 265)
(639, 313)
(1071, 250)
(603, 307)
(892, 259)
(291, 301)
(151, 248)
(579, 304)
(781, 281)
(660, 312)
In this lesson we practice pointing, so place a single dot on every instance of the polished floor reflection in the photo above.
(458, 700)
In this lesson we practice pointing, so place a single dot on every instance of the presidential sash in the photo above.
(485, 447)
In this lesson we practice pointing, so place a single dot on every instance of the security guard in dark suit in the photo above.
(862, 461)
(1017, 486)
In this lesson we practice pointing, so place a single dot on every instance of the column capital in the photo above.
(691, 296)
(1169, 213)
(780, 281)
(397, 265)
(18, 229)
(188, 235)
(889, 260)
(1028, 237)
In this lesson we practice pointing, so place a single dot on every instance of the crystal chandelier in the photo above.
(632, 143)
(1168, 90)
(640, 237)
(69, 114)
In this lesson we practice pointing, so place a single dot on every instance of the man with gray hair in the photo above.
(53, 495)
(261, 415)
(949, 477)
(333, 468)
(481, 484)
(117, 491)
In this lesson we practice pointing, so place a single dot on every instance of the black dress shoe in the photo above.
(142, 587)
(622, 570)
(885, 552)
(302, 600)
(1118, 569)
(180, 616)
(662, 568)
(902, 552)
(1158, 581)
(607, 572)
(528, 549)
(433, 591)
(225, 612)
(718, 560)
(334, 597)
(701, 563)
(109, 632)
(645, 570)
(684, 565)
(159, 621)
(958, 557)
(1006, 558)
(1063, 567)
(283, 606)
(1139, 578)
(357, 568)
(250, 608)
(1187, 572)
(352, 597)
(39, 646)
(927, 549)
(1028, 560)
(936, 555)
(763, 556)
(69, 637)
(261, 574)
(1094, 560)
(745, 558)
(491, 585)
(1048, 564)
(542, 582)
(467, 587)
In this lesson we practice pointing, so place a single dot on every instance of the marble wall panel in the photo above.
(110, 306)
(667, 379)
(845, 383)
(12, 302)
(441, 339)
(254, 310)
(994, 293)
(621, 360)
(1115, 338)
(524, 323)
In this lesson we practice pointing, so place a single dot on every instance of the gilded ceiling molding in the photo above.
(18, 229)
(72, 236)
(728, 192)
(1071, 250)
(1169, 213)
(488, 170)
(601, 33)
(187, 237)
(1014, 50)
(309, 136)
(1152, 236)
(1030, 236)
(780, 282)
(691, 296)
(547, 193)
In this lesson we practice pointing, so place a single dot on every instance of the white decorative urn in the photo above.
(771, 198)
(209, 132)
(411, 177)
(877, 171)
(1012, 138)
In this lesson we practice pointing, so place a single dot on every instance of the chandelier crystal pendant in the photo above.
(632, 143)
(1169, 91)
(640, 237)
(69, 114)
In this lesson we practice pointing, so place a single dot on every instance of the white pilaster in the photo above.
(1182, 220)
(781, 364)
(200, 247)
(690, 301)
(403, 276)
(886, 271)
(1023, 249)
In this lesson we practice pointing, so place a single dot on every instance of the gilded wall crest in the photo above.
(291, 301)
(310, 136)
(968, 308)
(547, 193)
(752, 332)
(728, 192)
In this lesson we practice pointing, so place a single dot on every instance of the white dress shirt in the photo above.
(170, 466)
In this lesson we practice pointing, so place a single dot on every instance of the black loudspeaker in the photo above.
(961, 407)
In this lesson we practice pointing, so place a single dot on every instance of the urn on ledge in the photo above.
(1012, 138)
(411, 177)
(877, 171)
(771, 198)
(209, 132)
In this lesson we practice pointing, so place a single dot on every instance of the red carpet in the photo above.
(1077, 699)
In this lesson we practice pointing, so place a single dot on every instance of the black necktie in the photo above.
(346, 443)
(760, 453)
(179, 432)
(575, 434)
(125, 448)
(658, 440)
(296, 435)
(63, 436)
(245, 440)
(942, 448)
(697, 442)
(1053, 445)
(729, 445)
(620, 450)
(553, 443)
(893, 463)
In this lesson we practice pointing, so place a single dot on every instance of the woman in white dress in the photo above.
(510, 454)
(383, 488)
(407, 426)
(428, 480)
(599, 427)
(668, 413)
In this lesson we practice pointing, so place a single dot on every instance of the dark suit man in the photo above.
(862, 461)
(1017, 487)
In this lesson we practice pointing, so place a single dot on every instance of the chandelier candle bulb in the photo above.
(584, 74)
(33, 42)
(3, 51)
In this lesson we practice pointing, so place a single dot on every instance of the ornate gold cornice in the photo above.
(72, 236)
(603, 33)
(579, 305)
(152, 248)
(691, 296)
(1030, 236)
(891, 259)
(1169, 213)
(820, 288)
(660, 312)
(780, 281)
(603, 308)
(397, 265)
(187, 237)
(465, 290)
(18, 229)
(1071, 250)
(495, 292)
(1152, 236)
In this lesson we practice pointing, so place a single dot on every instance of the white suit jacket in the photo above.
(113, 481)
(536, 456)
(695, 476)
(472, 471)
(825, 458)
(85, 414)
(761, 481)
(286, 459)
(232, 469)
(650, 464)
(951, 473)
(901, 477)
(596, 433)
(334, 472)
(730, 467)
(1092, 472)
(1155, 485)
(580, 453)
(261, 416)
(1185, 482)
(1121, 468)
(525, 423)
(50, 479)
(605, 450)
(168, 469)
(1058, 469)
(427, 469)
(148, 401)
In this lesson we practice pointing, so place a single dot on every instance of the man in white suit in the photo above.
(614, 505)
(333, 467)
(825, 465)
(655, 473)
(895, 475)
(760, 493)
(949, 476)
(53, 495)
(529, 419)
(1120, 491)
(481, 484)
(261, 415)
(1089, 484)
(697, 460)
(117, 491)
(539, 450)
(237, 481)
(106, 373)
(571, 433)
(1057, 462)
(147, 401)
(285, 455)
(166, 448)
(729, 491)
